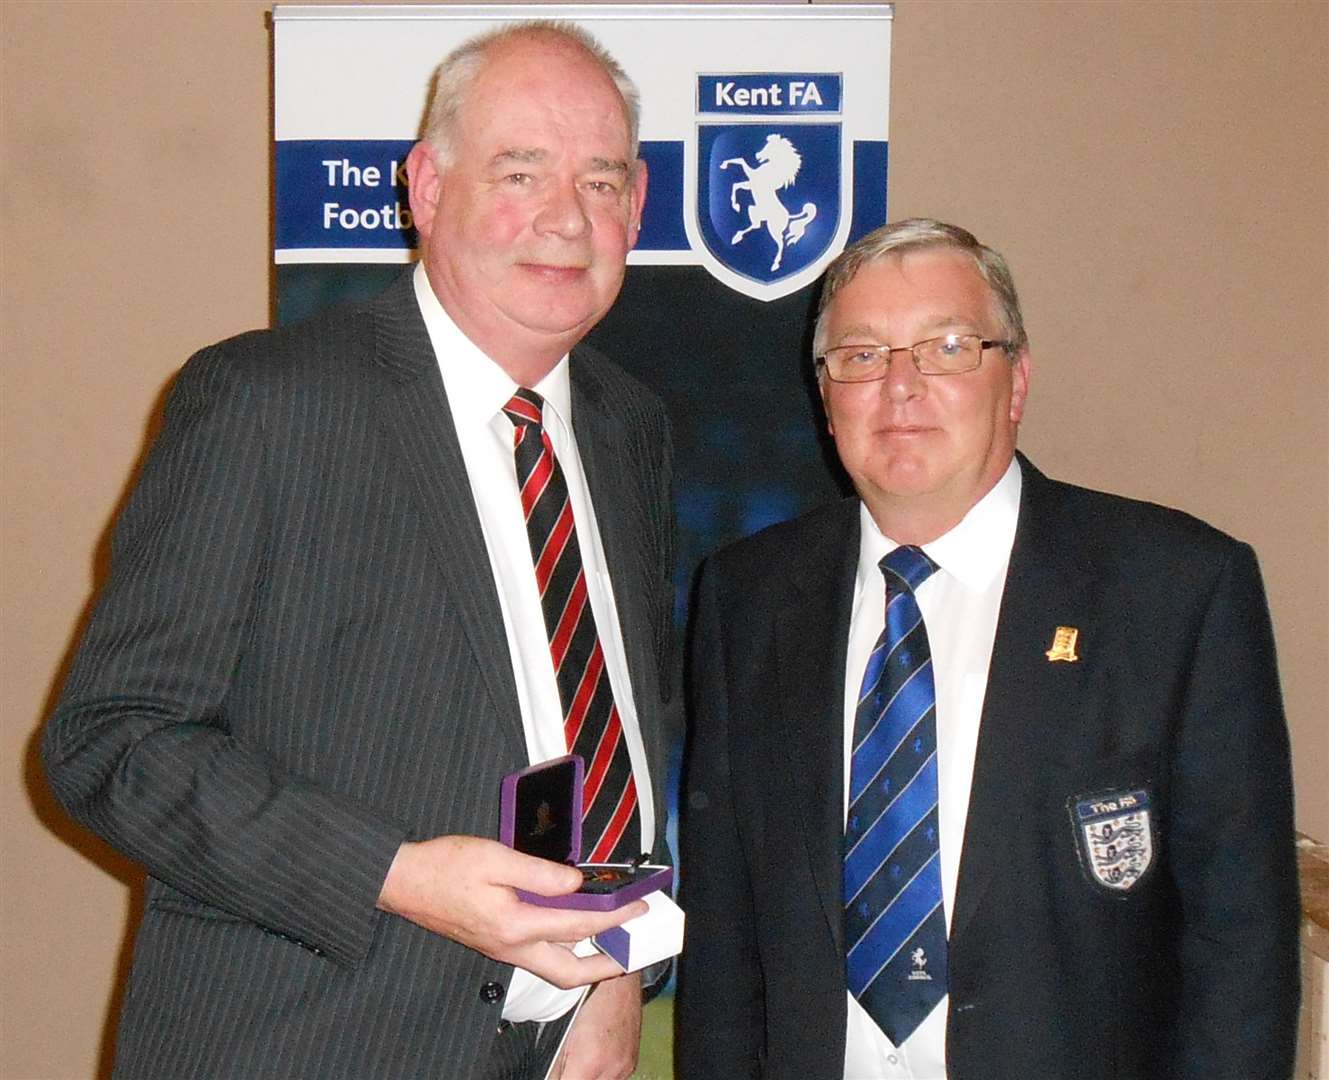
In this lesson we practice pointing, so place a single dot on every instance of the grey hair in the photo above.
(925, 234)
(457, 73)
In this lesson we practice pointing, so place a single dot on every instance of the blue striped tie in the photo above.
(895, 924)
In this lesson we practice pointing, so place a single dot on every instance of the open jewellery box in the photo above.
(541, 815)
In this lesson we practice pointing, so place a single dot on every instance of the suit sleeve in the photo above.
(140, 748)
(1231, 837)
(720, 1019)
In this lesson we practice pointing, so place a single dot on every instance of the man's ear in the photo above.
(638, 183)
(423, 183)
(1020, 384)
(822, 381)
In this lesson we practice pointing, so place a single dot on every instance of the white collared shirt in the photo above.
(477, 390)
(960, 603)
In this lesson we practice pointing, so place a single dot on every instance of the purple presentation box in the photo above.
(541, 816)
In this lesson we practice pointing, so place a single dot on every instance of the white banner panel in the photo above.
(764, 128)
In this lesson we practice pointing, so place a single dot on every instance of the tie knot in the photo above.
(525, 408)
(907, 567)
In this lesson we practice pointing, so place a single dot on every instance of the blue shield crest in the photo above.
(768, 196)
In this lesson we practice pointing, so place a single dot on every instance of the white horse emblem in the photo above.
(779, 164)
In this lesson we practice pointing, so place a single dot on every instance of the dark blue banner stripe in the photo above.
(349, 193)
(662, 222)
(870, 157)
(342, 193)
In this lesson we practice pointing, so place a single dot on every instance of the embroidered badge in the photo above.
(1114, 834)
(1063, 644)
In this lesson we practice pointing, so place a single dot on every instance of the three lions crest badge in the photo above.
(1114, 832)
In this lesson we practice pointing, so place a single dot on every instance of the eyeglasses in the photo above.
(951, 354)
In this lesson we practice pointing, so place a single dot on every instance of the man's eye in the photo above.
(602, 187)
(950, 346)
(519, 179)
(861, 356)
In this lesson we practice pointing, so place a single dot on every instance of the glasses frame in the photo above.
(890, 350)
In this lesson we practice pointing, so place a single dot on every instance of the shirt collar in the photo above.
(477, 387)
(973, 552)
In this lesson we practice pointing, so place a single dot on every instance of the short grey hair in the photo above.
(925, 234)
(457, 73)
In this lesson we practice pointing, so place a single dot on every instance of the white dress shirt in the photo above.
(477, 390)
(960, 603)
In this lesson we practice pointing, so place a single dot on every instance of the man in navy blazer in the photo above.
(1112, 814)
(304, 680)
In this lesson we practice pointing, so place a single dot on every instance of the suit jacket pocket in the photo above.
(179, 904)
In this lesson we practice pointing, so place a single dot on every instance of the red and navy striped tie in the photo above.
(611, 820)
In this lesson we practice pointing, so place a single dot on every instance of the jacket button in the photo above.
(491, 992)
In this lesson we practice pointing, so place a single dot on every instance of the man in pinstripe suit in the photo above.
(317, 654)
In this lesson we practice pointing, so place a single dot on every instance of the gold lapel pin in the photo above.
(1063, 644)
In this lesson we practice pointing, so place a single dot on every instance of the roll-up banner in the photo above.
(764, 129)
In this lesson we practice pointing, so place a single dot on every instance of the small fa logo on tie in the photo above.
(920, 973)
(1063, 644)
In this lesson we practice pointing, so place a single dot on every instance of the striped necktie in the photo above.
(895, 924)
(611, 821)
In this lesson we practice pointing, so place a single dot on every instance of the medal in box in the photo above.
(541, 815)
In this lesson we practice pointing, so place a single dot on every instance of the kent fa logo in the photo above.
(777, 168)
(770, 200)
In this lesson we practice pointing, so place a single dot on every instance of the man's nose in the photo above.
(903, 379)
(562, 213)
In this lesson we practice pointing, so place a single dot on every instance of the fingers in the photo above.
(558, 965)
(562, 924)
(508, 867)
(463, 887)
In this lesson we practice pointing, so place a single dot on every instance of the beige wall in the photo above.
(1157, 173)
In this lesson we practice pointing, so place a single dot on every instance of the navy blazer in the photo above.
(1054, 972)
(298, 662)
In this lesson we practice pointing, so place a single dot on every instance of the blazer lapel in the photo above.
(415, 413)
(812, 641)
(1030, 698)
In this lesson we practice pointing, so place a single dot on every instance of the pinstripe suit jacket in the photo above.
(298, 662)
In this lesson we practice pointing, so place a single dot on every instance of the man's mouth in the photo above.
(553, 271)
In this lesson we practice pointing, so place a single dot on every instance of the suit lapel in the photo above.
(415, 414)
(1030, 699)
(811, 646)
(620, 518)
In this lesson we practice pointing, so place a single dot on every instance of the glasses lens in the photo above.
(856, 363)
(952, 353)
